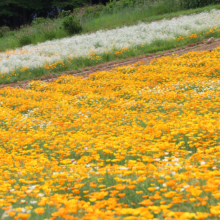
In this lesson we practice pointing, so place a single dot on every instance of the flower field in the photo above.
(101, 42)
(137, 142)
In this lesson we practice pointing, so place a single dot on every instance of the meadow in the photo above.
(102, 46)
(137, 142)
(114, 15)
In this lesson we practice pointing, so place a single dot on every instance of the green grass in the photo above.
(125, 16)
(35, 33)
(144, 13)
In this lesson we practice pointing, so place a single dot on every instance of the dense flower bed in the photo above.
(35, 56)
(137, 142)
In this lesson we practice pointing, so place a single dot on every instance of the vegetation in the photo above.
(108, 17)
(93, 59)
(15, 13)
(137, 142)
(71, 24)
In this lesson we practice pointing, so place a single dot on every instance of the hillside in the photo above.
(121, 123)
(84, 50)
(136, 142)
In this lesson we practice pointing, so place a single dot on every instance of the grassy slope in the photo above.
(127, 16)
(76, 63)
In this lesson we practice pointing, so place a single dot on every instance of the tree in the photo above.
(69, 3)
(18, 12)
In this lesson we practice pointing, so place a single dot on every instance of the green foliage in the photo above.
(90, 9)
(72, 25)
(114, 5)
(64, 13)
(187, 4)
(40, 20)
(24, 40)
(4, 30)
(50, 35)
(94, 11)
(66, 3)
(76, 10)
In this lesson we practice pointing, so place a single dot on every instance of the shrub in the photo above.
(11, 33)
(64, 13)
(187, 4)
(76, 10)
(71, 25)
(40, 20)
(4, 31)
(24, 40)
(1, 33)
(49, 35)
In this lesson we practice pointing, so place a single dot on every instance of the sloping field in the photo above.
(85, 50)
(136, 142)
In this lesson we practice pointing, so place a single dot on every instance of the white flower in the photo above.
(32, 187)
(157, 159)
(33, 202)
(40, 194)
(123, 168)
(175, 159)
(186, 186)
(125, 37)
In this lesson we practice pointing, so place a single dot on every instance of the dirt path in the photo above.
(85, 72)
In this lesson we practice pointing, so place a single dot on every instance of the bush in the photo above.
(24, 40)
(64, 13)
(1, 33)
(89, 10)
(4, 31)
(187, 4)
(11, 33)
(50, 35)
(76, 10)
(71, 25)
(40, 20)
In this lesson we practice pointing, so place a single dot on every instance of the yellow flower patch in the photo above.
(136, 142)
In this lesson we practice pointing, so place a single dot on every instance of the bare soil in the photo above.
(85, 72)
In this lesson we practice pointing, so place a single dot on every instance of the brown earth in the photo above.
(85, 72)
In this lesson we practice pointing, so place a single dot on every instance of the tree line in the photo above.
(14, 13)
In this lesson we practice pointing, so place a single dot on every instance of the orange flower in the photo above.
(121, 195)
(120, 187)
(39, 211)
(151, 189)
(23, 215)
(131, 186)
(146, 202)
(170, 194)
(139, 192)
(196, 192)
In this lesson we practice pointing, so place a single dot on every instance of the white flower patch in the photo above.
(82, 45)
